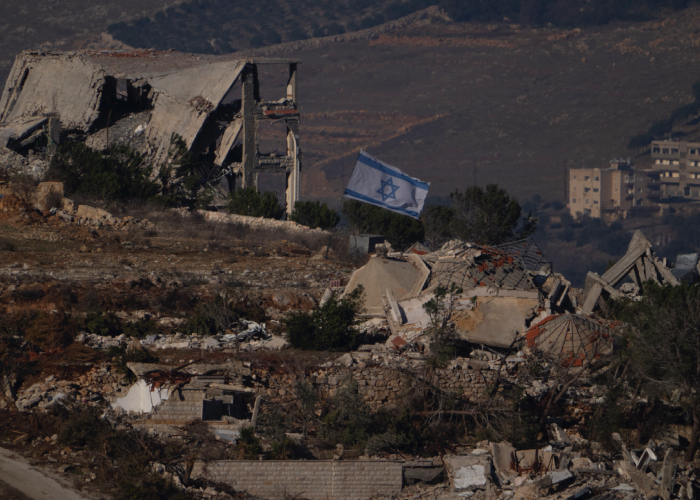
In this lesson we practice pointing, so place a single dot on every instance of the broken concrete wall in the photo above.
(312, 479)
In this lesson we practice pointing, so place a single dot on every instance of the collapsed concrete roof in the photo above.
(402, 278)
(185, 94)
(77, 86)
(509, 267)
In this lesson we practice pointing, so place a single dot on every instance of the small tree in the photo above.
(307, 397)
(315, 215)
(664, 346)
(441, 330)
(329, 327)
(247, 201)
(437, 220)
(489, 217)
(399, 230)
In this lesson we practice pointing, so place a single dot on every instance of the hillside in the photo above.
(520, 104)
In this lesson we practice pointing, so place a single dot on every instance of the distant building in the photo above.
(600, 192)
(679, 165)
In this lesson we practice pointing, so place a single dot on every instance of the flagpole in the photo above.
(340, 211)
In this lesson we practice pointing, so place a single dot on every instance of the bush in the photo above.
(399, 230)
(349, 420)
(42, 330)
(329, 327)
(121, 175)
(106, 325)
(314, 214)
(247, 201)
(248, 444)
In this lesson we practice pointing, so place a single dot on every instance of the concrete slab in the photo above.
(494, 321)
(404, 278)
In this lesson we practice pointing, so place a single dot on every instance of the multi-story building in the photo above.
(597, 192)
(679, 166)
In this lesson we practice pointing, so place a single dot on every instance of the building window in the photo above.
(693, 151)
(574, 200)
(596, 178)
(664, 151)
(574, 176)
(666, 162)
(656, 150)
(675, 174)
(639, 190)
(676, 162)
(616, 190)
(595, 202)
(595, 190)
(588, 202)
(674, 151)
(658, 162)
(587, 178)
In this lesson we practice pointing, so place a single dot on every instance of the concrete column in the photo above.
(294, 177)
(249, 89)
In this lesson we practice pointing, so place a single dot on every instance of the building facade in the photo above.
(679, 165)
(597, 192)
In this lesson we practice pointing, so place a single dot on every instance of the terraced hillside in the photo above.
(439, 99)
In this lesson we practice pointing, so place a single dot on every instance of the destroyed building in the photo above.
(145, 98)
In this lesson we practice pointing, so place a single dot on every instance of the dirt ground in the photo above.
(49, 264)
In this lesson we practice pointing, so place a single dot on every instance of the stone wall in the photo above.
(382, 384)
(312, 479)
(257, 222)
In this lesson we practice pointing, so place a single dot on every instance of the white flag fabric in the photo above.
(375, 182)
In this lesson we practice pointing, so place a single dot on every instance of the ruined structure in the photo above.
(213, 103)
(639, 264)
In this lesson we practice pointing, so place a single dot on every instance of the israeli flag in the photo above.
(377, 183)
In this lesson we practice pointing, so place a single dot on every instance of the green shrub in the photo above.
(349, 421)
(141, 328)
(106, 325)
(314, 214)
(121, 175)
(328, 327)
(399, 230)
(200, 324)
(247, 201)
(183, 179)
(248, 444)
(282, 449)
(212, 317)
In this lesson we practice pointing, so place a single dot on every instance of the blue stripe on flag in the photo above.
(371, 162)
(361, 197)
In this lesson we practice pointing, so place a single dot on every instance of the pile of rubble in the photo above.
(568, 468)
(33, 165)
(251, 336)
(98, 384)
(85, 215)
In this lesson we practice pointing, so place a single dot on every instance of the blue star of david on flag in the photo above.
(390, 184)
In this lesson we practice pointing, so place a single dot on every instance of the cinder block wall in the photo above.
(312, 479)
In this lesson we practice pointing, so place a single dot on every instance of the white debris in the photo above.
(141, 398)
